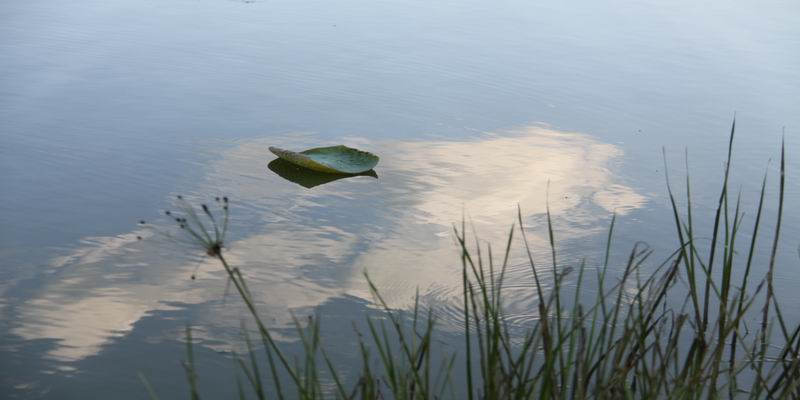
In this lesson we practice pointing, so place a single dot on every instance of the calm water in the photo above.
(110, 109)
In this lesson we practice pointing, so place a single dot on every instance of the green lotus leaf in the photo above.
(333, 160)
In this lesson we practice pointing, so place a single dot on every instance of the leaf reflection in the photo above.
(308, 178)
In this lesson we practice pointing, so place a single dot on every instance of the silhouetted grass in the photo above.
(628, 341)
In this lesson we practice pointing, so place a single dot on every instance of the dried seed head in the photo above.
(215, 249)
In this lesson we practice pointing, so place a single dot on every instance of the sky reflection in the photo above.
(300, 247)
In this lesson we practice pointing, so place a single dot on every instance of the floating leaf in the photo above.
(308, 178)
(333, 160)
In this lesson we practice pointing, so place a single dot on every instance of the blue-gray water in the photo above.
(110, 109)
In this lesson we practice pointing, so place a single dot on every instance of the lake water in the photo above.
(108, 110)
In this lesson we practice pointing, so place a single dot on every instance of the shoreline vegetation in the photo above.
(627, 341)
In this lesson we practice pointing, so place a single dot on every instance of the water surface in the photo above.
(111, 110)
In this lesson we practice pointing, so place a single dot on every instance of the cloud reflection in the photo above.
(299, 248)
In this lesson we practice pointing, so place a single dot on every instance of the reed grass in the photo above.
(677, 328)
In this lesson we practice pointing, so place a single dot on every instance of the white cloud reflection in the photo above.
(301, 247)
